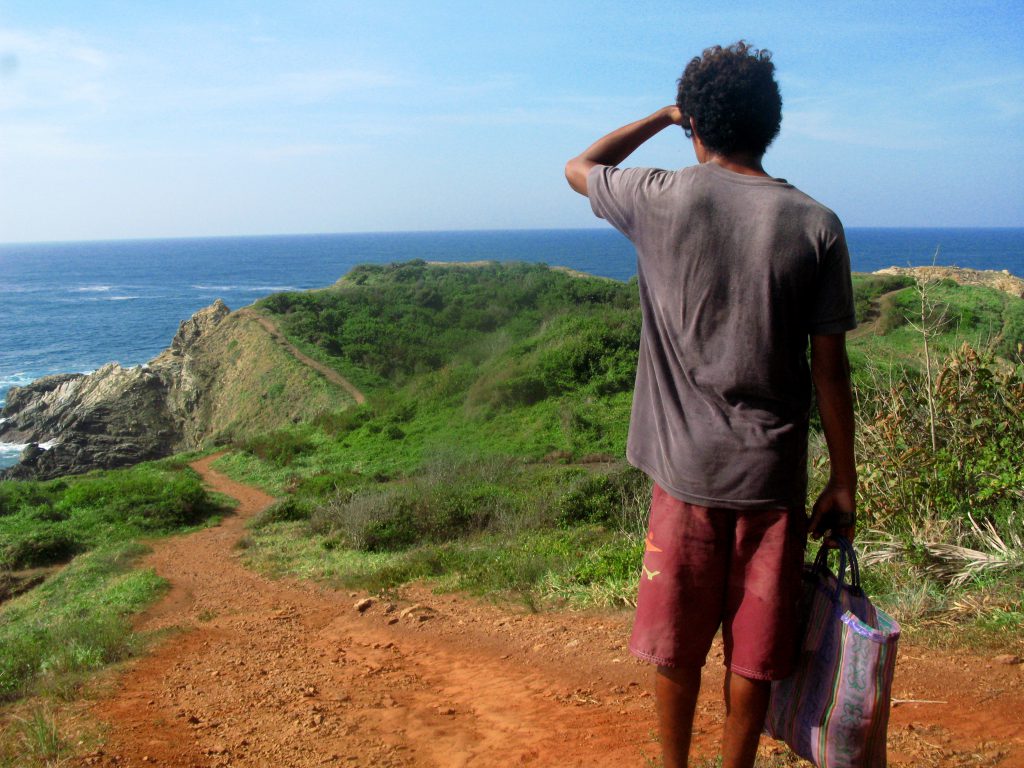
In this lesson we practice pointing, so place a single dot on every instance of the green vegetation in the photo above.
(74, 622)
(487, 457)
(45, 523)
(889, 309)
(77, 620)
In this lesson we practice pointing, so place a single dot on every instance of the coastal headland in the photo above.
(224, 376)
(416, 435)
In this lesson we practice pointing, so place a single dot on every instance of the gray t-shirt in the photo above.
(735, 273)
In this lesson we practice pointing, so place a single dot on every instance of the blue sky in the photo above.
(127, 119)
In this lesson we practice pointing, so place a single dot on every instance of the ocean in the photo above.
(70, 307)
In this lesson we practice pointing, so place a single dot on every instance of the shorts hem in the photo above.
(650, 658)
(756, 675)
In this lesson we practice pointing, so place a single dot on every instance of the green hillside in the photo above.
(489, 453)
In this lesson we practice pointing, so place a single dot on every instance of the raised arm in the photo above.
(836, 507)
(618, 145)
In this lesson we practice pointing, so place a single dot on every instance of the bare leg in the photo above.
(676, 692)
(746, 702)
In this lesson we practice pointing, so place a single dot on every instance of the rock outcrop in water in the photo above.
(113, 416)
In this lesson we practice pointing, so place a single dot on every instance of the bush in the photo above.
(604, 499)
(284, 511)
(43, 546)
(975, 468)
(377, 519)
(47, 522)
(397, 320)
(280, 447)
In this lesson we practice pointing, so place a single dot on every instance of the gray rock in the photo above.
(112, 417)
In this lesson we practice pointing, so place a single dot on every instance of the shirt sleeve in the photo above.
(832, 310)
(615, 194)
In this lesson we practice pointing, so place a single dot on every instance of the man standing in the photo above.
(737, 270)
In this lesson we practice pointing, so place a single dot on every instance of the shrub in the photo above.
(976, 466)
(604, 499)
(43, 546)
(286, 510)
(280, 447)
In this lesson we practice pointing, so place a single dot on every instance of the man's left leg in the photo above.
(746, 702)
(759, 628)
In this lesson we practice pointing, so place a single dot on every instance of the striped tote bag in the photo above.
(834, 709)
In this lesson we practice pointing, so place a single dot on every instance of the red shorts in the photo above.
(705, 568)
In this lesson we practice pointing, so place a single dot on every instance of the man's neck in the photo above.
(745, 164)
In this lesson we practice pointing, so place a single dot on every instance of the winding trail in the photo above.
(329, 373)
(256, 672)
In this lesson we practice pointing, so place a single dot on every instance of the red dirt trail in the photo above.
(257, 672)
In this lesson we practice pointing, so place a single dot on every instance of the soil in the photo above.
(256, 672)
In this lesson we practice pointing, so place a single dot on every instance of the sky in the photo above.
(174, 119)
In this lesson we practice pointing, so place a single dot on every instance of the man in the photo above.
(737, 270)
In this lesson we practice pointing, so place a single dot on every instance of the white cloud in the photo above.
(875, 131)
(37, 140)
(55, 68)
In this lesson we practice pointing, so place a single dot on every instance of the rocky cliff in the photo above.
(223, 376)
(113, 416)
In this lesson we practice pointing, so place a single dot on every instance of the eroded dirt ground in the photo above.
(257, 672)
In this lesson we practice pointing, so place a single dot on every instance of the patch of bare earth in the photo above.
(279, 673)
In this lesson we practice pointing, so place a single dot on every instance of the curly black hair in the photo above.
(733, 98)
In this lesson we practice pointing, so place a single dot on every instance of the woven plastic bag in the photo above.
(834, 709)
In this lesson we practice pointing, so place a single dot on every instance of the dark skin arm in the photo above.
(615, 147)
(830, 371)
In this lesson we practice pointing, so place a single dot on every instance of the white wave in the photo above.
(92, 289)
(245, 288)
(18, 379)
(48, 444)
(121, 298)
(12, 449)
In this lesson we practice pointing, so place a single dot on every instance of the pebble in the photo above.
(363, 605)
(1008, 658)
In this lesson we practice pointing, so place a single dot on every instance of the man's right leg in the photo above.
(676, 690)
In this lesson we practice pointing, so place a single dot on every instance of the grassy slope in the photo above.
(889, 308)
(252, 385)
(78, 619)
(455, 402)
(488, 458)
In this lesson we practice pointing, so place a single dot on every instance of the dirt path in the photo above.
(329, 373)
(276, 673)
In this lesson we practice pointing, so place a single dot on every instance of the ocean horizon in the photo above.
(70, 307)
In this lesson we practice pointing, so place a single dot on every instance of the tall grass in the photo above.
(75, 622)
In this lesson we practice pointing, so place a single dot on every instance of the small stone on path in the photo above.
(363, 605)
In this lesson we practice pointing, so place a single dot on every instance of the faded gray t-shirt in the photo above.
(735, 273)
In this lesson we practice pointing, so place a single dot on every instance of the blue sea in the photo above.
(69, 307)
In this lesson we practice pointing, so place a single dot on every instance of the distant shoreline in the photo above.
(429, 232)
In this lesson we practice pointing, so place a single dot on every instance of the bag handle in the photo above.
(847, 556)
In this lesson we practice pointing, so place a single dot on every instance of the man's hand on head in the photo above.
(615, 147)
(674, 115)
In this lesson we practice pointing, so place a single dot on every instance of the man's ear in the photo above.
(698, 146)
